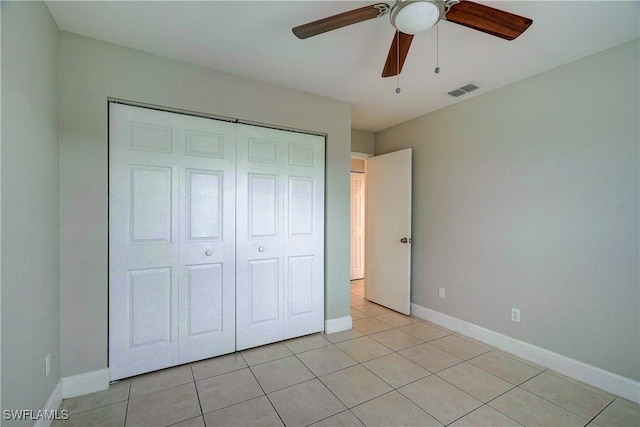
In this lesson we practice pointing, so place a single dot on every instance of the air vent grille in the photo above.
(469, 87)
(463, 90)
(456, 93)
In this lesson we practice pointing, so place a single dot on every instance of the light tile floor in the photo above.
(389, 370)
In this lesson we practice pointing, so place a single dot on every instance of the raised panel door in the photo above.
(207, 237)
(280, 235)
(143, 242)
(171, 239)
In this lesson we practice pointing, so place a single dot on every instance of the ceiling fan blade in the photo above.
(488, 20)
(393, 66)
(341, 20)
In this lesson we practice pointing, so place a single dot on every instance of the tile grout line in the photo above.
(592, 420)
(264, 393)
(126, 411)
(195, 385)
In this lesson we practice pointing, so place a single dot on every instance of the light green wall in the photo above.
(30, 207)
(528, 197)
(363, 141)
(91, 71)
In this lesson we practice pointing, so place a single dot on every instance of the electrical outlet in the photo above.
(47, 365)
(441, 293)
(515, 315)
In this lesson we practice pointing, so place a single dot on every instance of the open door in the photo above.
(357, 225)
(388, 236)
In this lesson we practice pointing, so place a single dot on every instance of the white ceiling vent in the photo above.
(464, 89)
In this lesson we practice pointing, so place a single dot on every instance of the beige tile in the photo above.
(324, 360)
(298, 345)
(460, 347)
(363, 349)
(504, 367)
(440, 399)
(357, 282)
(396, 319)
(520, 359)
(370, 325)
(117, 392)
(343, 419)
(192, 422)
(266, 353)
(627, 402)
(164, 407)
(254, 412)
(356, 301)
(581, 384)
(281, 373)
(217, 366)
(580, 400)
(531, 410)
(396, 340)
(475, 381)
(618, 414)
(227, 389)
(430, 357)
(485, 416)
(396, 370)
(159, 380)
(305, 403)
(111, 415)
(373, 309)
(357, 314)
(393, 409)
(424, 331)
(343, 336)
(355, 385)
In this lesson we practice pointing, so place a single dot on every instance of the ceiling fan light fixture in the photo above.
(416, 16)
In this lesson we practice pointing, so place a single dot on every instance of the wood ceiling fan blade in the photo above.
(393, 66)
(488, 20)
(341, 20)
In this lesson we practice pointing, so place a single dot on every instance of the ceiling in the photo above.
(254, 40)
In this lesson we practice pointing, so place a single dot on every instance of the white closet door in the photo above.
(207, 238)
(171, 239)
(280, 235)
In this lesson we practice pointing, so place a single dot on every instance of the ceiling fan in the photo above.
(411, 17)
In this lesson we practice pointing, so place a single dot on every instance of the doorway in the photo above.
(386, 215)
(357, 220)
(357, 227)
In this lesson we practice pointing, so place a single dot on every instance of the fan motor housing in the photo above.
(416, 16)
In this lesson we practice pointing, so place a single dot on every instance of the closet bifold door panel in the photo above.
(279, 235)
(171, 239)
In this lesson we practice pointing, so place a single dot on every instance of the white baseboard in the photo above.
(589, 374)
(52, 404)
(340, 324)
(86, 383)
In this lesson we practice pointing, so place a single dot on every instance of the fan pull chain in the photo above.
(398, 61)
(437, 70)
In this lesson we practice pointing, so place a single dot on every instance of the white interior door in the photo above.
(171, 239)
(357, 224)
(388, 216)
(280, 235)
(207, 238)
